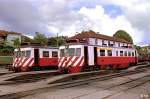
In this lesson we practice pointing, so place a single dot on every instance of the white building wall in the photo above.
(92, 41)
(100, 42)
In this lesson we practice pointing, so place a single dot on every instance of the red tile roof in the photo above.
(92, 34)
(5, 33)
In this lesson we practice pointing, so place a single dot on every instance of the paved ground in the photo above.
(135, 86)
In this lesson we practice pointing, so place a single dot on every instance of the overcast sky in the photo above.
(67, 17)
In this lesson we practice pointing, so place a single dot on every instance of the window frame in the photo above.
(109, 54)
(53, 56)
(102, 53)
(121, 53)
(45, 55)
(77, 51)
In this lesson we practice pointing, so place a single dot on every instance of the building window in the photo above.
(45, 53)
(96, 41)
(125, 53)
(78, 52)
(103, 43)
(109, 52)
(121, 53)
(102, 52)
(129, 53)
(118, 44)
(111, 43)
(54, 54)
(116, 53)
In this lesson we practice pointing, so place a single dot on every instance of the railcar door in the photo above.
(95, 55)
(36, 57)
(86, 55)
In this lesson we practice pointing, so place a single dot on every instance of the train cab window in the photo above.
(23, 53)
(45, 53)
(54, 54)
(116, 53)
(102, 52)
(121, 53)
(129, 53)
(71, 51)
(133, 54)
(28, 53)
(62, 53)
(78, 51)
(125, 53)
(16, 54)
(109, 52)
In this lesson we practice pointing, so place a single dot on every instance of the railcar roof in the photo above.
(46, 47)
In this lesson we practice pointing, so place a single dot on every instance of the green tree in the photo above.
(123, 35)
(40, 38)
(25, 39)
(17, 43)
(56, 41)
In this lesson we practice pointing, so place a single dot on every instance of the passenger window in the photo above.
(71, 51)
(109, 52)
(102, 52)
(62, 53)
(116, 53)
(28, 53)
(125, 53)
(129, 53)
(45, 53)
(121, 53)
(54, 54)
(133, 54)
(78, 52)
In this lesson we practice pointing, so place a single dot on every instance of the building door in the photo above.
(86, 55)
(36, 57)
(95, 55)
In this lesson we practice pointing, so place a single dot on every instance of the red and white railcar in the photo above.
(80, 57)
(83, 54)
(35, 58)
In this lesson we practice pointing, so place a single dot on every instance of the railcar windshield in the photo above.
(26, 53)
(70, 52)
(17, 54)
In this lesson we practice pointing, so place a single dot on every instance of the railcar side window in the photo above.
(125, 53)
(45, 53)
(109, 52)
(78, 52)
(116, 53)
(102, 52)
(71, 51)
(54, 54)
(133, 54)
(62, 53)
(129, 53)
(121, 53)
(28, 53)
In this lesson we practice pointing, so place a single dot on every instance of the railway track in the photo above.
(27, 77)
(69, 84)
